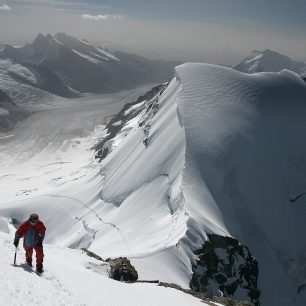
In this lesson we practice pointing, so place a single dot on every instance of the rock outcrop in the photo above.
(226, 265)
(148, 103)
(122, 270)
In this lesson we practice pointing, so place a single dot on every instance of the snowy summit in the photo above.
(269, 61)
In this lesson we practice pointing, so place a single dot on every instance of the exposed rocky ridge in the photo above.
(10, 113)
(226, 265)
(147, 103)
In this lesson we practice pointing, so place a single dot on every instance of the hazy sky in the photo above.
(218, 31)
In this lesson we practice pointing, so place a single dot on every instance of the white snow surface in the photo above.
(226, 155)
(108, 54)
(73, 278)
(4, 112)
(90, 59)
(243, 162)
(47, 166)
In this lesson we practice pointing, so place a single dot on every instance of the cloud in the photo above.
(102, 17)
(4, 7)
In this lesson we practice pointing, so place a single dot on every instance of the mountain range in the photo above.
(66, 66)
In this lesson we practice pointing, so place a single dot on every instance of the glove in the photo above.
(16, 241)
(39, 242)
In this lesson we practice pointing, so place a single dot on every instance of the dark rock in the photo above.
(226, 265)
(114, 127)
(92, 254)
(122, 270)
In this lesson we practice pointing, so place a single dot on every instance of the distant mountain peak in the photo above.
(40, 38)
(270, 53)
(61, 63)
(269, 61)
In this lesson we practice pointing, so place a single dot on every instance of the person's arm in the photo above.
(19, 233)
(42, 231)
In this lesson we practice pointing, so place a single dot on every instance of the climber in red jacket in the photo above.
(33, 233)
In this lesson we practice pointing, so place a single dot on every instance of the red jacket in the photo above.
(31, 233)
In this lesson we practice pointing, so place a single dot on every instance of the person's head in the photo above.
(33, 219)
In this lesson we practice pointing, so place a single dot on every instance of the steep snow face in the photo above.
(142, 179)
(269, 61)
(245, 167)
(227, 151)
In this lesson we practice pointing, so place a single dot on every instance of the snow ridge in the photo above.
(228, 119)
(211, 136)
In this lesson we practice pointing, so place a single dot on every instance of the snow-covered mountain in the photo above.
(200, 182)
(217, 152)
(269, 61)
(62, 64)
(10, 113)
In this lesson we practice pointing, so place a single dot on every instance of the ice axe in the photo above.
(15, 256)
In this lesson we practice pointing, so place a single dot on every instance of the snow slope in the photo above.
(69, 270)
(269, 61)
(218, 151)
(247, 159)
(43, 163)
(227, 148)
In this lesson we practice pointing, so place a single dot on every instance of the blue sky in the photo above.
(194, 30)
